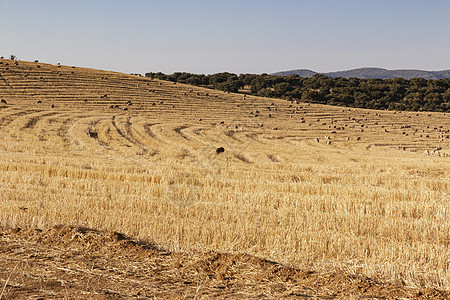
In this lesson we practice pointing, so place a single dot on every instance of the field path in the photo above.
(78, 263)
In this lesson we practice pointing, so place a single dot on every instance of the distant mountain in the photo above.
(372, 73)
(299, 72)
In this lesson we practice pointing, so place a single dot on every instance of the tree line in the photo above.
(415, 94)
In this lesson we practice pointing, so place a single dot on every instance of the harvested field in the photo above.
(363, 212)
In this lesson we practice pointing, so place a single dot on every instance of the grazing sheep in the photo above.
(220, 150)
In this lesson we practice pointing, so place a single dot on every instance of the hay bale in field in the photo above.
(39, 101)
(220, 150)
(4, 101)
(92, 134)
(316, 140)
(52, 106)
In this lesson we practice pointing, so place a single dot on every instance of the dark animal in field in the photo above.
(220, 150)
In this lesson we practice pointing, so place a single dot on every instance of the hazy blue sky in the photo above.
(239, 36)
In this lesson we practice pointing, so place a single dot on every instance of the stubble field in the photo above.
(333, 195)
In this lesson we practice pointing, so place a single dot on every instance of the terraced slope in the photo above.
(320, 188)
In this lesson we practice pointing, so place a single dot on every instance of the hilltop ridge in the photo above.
(370, 72)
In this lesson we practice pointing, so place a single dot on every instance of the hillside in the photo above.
(372, 73)
(112, 186)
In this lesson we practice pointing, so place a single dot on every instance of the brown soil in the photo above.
(78, 263)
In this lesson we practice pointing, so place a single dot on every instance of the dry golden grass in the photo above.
(369, 203)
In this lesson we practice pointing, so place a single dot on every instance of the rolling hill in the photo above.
(111, 186)
(372, 73)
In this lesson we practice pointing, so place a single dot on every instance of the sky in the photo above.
(237, 36)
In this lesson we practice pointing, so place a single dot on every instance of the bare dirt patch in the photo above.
(80, 263)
